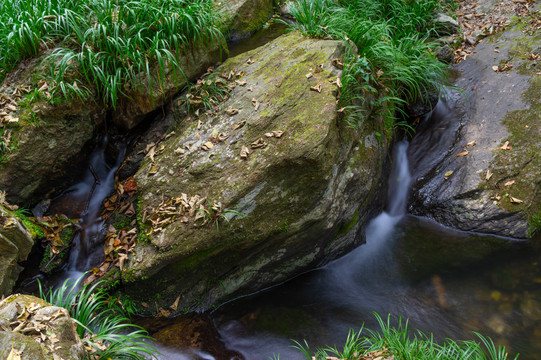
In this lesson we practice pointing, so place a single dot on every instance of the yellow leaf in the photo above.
(14, 354)
(448, 173)
(509, 183)
(471, 143)
(464, 153)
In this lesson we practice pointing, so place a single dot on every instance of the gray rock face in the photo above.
(445, 25)
(477, 160)
(244, 17)
(15, 245)
(304, 194)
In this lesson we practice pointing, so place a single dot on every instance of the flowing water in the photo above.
(444, 281)
(83, 201)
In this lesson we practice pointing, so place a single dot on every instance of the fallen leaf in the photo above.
(14, 354)
(509, 183)
(153, 169)
(199, 124)
(244, 152)
(471, 143)
(319, 68)
(278, 133)
(175, 304)
(488, 175)
(495, 68)
(214, 134)
(232, 112)
(497, 197)
(309, 75)
(255, 103)
(207, 146)
(506, 146)
(448, 173)
(240, 82)
(250, 61)
(515, 200)
(179, 151)
(316, 88)
(223, 136)
(259, 143)
(338, 63)
(464, 153)
(239, 125)
(250, 89)
(269, 135)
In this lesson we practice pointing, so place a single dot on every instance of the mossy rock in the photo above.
(304, 196)
(244, 17)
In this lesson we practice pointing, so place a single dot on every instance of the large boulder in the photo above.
(33, 329)
(228, 204)
(15, 245)
(477, 160)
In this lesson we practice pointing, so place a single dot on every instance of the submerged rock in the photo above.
(15, 245)
(477, 163)
(266, 185)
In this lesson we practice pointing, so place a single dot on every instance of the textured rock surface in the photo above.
(15, 245)
(244, 17)
(305, 195)
(496, 108)
(37, 330)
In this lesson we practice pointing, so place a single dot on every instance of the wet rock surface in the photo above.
(475, 166)
(263, 187)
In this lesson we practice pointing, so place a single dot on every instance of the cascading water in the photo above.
(83, 201)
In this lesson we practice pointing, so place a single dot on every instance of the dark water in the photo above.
(444, 281)
(269, 33)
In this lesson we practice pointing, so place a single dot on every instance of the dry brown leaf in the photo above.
(174, 307)
(255, 103)
(495, 68)
(316, 88)
(250, 89)
(309, 75)
(278, 133)
(488, 175)
(471, 143)
(338, 63)
(153, 169)
(207, 146)
(506, 146)
(259, 143)
(240, 82)
(232, 112)
(244, 152)
(515, 200)
(239, 125)
(319, 68)
(497, 197)
(509, 183)
(464, 153)
(14, 354)
(199, 124)
(269, 135)
(250, 61)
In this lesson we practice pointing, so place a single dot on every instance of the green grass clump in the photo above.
(394, 64)
(106, 47)
(404, 343)
(101, 322)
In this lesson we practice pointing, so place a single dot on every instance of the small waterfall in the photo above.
(83, 200)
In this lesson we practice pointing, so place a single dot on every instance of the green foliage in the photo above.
(215, 214)
(35, 230)
(105, 46)
(405, 343)
(394, 64)
(100, 322)
(206, 94)
(535, 224)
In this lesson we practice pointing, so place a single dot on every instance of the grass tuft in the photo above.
(106, 47)
(100, 323)
(394, 65)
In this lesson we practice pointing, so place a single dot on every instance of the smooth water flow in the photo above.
(83, 201)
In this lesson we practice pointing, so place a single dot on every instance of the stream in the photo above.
(409, 267)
